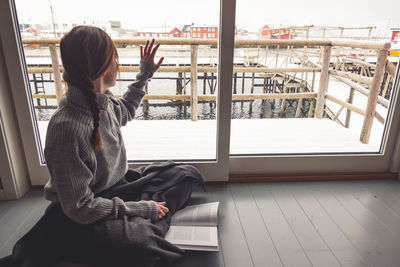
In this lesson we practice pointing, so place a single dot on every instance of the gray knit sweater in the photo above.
(77, 171)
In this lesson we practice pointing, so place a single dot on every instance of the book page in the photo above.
(193, 237)
(200, 215)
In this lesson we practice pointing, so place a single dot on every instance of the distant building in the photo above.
(395, 35)
(160, 32)
(59, 28)
(203, 32)
(270, 33)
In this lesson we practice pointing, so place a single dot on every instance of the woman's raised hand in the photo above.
(148, 53)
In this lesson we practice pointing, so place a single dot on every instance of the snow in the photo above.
(187, 140)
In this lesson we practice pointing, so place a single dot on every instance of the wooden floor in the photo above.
(354, 223)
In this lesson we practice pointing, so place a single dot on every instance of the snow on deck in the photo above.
(187, 140)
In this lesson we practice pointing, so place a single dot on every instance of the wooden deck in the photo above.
(351, 223)
(186, 140)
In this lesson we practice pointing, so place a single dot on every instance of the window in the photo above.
(247, 163)
(187, 141)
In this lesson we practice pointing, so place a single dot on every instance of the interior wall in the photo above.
(13, 168)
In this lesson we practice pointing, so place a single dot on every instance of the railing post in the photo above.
(193, 82)
(56, 72)
(323, 83)
(348, 113)
(373, 96)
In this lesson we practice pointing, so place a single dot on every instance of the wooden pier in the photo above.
(291, 76)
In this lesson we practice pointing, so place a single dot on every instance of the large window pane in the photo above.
(281, 104)
(173, 122)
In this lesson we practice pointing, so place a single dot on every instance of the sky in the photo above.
(250, 14)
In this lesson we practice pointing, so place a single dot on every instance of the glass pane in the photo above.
(287, 101)
(172, 122)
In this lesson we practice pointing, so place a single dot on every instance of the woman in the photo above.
(101, 213)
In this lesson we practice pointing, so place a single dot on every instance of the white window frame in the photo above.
(219, 170)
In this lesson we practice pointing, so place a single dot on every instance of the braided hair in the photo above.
(87, 53)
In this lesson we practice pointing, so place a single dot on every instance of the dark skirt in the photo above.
(128, 241)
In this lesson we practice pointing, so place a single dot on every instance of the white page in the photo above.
(199, 215)
(193, 237)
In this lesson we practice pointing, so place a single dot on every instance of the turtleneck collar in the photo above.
(76, 96)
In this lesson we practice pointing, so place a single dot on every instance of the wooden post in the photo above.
(373, 96)
(56, 72)
(252, 82)
(323, 83)
(311, 110)
(204, 83)
(348, 112)
(184, 83)
(300, 100)
(179, 84)
(235, 83)
(193, 82)
(323, 37)
(313, 82)
(243, 77)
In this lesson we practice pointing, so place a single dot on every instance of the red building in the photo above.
(160, 32)
(395, 35)
(203, 32)
(269, 33)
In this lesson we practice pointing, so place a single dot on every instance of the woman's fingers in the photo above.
(145, 48)
(152, 54)
(150, 47)
(160, 61)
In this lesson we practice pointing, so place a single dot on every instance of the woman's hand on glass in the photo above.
(161, 209)
(148, 53)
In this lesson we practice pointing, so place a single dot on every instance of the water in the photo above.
(206, 111)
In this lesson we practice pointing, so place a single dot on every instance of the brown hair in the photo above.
(87, 52)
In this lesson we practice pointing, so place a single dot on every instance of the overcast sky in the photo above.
(250, 14)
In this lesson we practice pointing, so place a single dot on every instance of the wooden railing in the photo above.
(356, 82)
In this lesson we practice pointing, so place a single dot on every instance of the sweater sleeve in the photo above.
(125, 107)
(71, 178)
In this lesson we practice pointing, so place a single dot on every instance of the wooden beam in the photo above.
(323, 83)
(56, 72)
(199, 69)
(361, 62)
(214, 42)
(382, 101)
(193, 83)
(349, 75)
(213, 97)
(346, 105)
(373, 96)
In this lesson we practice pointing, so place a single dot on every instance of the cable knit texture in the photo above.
(78, 172)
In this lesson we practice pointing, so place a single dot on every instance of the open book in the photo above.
(195, 227)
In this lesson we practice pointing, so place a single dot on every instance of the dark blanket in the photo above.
(129, 241)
